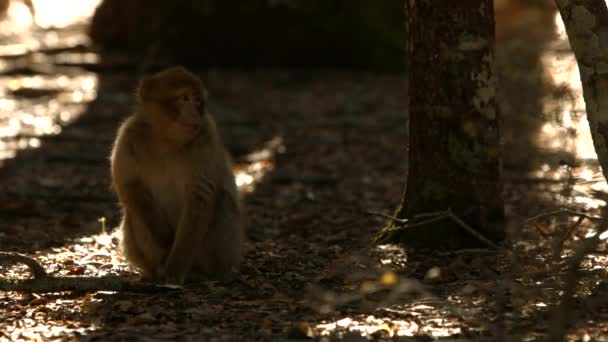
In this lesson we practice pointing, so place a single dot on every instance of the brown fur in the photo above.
(181, 213)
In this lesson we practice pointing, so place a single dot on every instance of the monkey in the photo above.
(181, 213)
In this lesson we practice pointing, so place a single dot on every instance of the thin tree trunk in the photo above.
(586, 24)
(454, 151)
(587, 28)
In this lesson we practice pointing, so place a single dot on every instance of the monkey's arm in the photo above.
(193, 226)
(138, 203)
(135, 198)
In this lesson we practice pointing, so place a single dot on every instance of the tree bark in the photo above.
(454, 151)
(586, 24)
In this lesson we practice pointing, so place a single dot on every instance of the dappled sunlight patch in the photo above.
(62, 13)
(390, 254)
(34, 317)
(91, 255)
(567, 108)
(399, 305)
(248, 175)
(20, 38)
(35, 106)
(370, 326)
(567, 130)
(422, 320)
(28, 46)
(18, 18)
(252, 169)
(94, 255)
(46, 14)
(39, 328)
(368, 287)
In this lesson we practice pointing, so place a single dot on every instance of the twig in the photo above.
(433, 214)
(472, 231)
(83, 284)
(558, 244)
(41, 281)
(563, 211)
(466, 251)
(386, 216)
(562, 313)
(16, 258)
(404, 223)
(427, 221)
(434, 217)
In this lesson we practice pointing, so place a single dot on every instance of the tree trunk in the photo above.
(586, 24)
(454, 151)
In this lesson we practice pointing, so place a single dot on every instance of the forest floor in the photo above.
(317, 153)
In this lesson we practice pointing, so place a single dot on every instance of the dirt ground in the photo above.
(317, 153)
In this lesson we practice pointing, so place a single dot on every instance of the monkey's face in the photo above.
(173, 102)
(185, 112)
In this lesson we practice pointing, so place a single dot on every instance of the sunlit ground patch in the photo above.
(48, 14)
(86, 256)
(35, 106)
(257, 164)
(18, 18)
(569, 130)
(391, 254)
(62, 13)
(399, 306)
(20, 37)
(375, 326)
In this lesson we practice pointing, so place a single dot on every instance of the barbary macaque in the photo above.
(174, 180)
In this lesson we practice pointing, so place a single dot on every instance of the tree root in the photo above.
(41, 281)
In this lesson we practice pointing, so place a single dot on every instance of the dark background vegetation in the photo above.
(295, 33)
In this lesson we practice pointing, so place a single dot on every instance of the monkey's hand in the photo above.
(190, 232)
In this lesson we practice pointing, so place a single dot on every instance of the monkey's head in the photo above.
(173, 102)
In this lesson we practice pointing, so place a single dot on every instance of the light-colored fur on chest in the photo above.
(165, 181)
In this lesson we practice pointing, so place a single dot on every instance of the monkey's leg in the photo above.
(194, 223)
(222, 249)
(140, 248)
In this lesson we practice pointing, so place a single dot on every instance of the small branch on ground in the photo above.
(559, 241)
(16, 258)
(558, 244)
(42, 282)
(562, 211)
(433, 217)
(561, 315)
(470, 229)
